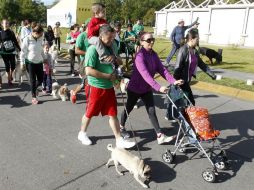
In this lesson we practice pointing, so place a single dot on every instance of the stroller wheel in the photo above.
(168, 157)
(208, 175)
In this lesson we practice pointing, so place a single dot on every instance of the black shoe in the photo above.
(124, 133)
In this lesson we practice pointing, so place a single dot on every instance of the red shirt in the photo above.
(75, 34)
(94, 26)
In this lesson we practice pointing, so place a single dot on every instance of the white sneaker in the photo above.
(164, 138)
(82, 136)
(122, 143)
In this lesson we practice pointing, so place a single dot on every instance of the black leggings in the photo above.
(72, 55)
(9, 61)
(35, 71)
(187, 89)
(147, 98)
(57, 42)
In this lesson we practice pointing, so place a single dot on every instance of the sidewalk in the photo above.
(233, 74)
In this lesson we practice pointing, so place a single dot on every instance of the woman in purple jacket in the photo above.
(142, 84)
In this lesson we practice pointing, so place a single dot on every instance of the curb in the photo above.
(229, 91)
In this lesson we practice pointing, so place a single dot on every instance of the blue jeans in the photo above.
(47, 82)
(175, 47)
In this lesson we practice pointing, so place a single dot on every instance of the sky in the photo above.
(47, 2)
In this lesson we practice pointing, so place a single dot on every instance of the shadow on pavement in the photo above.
(14, 101)
(239, 147)
(161, 172)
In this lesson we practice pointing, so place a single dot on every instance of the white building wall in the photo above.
(226, 26)
(161, 23)
(204, 23)
(66, 17)
(249, 41)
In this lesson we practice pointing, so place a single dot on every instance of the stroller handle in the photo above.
(175, 92)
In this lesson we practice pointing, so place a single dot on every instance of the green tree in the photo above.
(6, 10)
(149, 18)
(33, 10)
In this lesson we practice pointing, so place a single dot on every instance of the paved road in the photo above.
(39, 147)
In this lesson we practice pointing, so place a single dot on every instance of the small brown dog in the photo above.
(60, 91)
(130, 162)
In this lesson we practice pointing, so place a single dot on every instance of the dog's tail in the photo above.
(110, 147)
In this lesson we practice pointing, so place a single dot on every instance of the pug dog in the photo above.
(130, 162)
(60, 92)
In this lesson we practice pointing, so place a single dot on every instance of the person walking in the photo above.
(71, 40)
(100, 92)
(187, 62)
(57, 33)
(81, 47)
(32, 57)
(177, 38)
(142, 84)
(49, 36)
(9, 44)
(25, 30)
(138, 28)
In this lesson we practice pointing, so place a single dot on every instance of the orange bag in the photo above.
(198, 118)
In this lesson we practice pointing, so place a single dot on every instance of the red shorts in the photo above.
(100, 101)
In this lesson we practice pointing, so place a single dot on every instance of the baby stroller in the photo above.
(195, 132)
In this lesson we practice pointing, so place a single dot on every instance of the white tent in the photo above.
(220, 22)
(63, 12)
(69, 12)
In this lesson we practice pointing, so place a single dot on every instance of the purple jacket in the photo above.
(147, 64)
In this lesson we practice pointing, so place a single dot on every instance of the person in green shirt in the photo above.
(100, 93)
(81, 47)
(138, 28)
(130, 38)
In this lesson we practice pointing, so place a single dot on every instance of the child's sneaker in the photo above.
(161, 138)
(73, 97)
(82, 136)
(122, 143)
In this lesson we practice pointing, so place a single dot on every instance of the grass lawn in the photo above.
(234, 58)
(234, 83)
(237, 59)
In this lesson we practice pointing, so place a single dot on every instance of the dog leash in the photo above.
(54, 77)
(129, 122)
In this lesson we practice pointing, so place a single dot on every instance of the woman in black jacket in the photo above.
(49, 36)
(186, 66)
(8, 47)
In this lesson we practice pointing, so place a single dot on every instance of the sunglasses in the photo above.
(149, 40)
